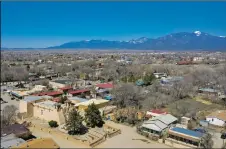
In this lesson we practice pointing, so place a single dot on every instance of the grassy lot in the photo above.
(200, 99)
(193, 106)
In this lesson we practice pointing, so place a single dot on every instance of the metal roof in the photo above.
(167, 118)
(34, 98)
(7, 143)
(207, 90)
(77, 98)
(154, 125)
(187, 132)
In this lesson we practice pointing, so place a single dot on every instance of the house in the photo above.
(209, 92)
(185, 136)
(60, 83)
(17, 129)
(105, 86)
(10, 140)
(157, 125)
(160, 75)
(18, 94)
(41, 108)
(52, 94)
(82, 106)
(86, 92)
(170, 80)
(39, 143)
(154, 127)
(155, 112)
(26, 105)
(66, 89)
(167, 119)
(217, 118)
(76, 100)
(48, 110)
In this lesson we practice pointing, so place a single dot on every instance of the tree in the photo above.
(74, 122)
(93, 116)
(53, 124)
(127, 95)
(63, 99)
(9, 115)
(207, 142)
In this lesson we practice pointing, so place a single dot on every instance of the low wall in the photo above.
(57, 133)
(111, 131)
(178, 144)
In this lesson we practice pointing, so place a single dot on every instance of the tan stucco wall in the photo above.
(48, 114)
(22, 106)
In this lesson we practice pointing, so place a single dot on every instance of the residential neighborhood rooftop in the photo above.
(78, 91)
(78, 99)
(105, 85)
(34, 98)
(187, 132)
(221, 114)
(89, 102)
(48, 103)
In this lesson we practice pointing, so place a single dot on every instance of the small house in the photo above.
(217, 118)
(185, 136)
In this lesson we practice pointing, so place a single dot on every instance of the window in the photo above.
(41, 112)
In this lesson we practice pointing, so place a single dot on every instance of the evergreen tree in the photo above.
(93, 116)
(74, 122)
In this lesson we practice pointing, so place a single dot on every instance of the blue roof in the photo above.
(77, 98)
(188, 132)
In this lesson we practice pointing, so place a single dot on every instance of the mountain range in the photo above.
(176, 41)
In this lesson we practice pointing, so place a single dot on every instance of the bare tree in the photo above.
(9, 115)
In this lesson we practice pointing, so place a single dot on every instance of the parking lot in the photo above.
(6, 97)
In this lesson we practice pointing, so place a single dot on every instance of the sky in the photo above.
(42, 24)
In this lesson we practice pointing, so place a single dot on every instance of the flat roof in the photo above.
(34, 98)
(78, 91)
(208, 90)
(11, 142)
(48, 103)
(63, 81)
(39, 143)
(187, 132)
(89, 102)
(78, 99)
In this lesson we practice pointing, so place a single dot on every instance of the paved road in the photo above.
(7, 98)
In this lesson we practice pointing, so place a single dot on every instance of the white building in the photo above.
(217, 118)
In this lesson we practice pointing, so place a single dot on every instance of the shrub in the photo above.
(53, 124)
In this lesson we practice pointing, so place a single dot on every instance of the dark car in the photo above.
(200, 130)
(12, 98)
(223, 135)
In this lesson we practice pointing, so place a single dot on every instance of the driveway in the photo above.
(129, 138)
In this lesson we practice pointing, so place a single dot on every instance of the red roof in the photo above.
(66, 88)
(105, 85)
(49, 93)
(79, 91)
(158, 111)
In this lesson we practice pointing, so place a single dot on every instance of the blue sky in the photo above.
(42, 24)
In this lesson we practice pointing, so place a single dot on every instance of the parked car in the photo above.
(200, 130)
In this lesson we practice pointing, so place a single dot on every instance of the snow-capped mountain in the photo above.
(177, 41)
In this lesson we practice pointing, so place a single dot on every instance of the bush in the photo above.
(53, 124)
